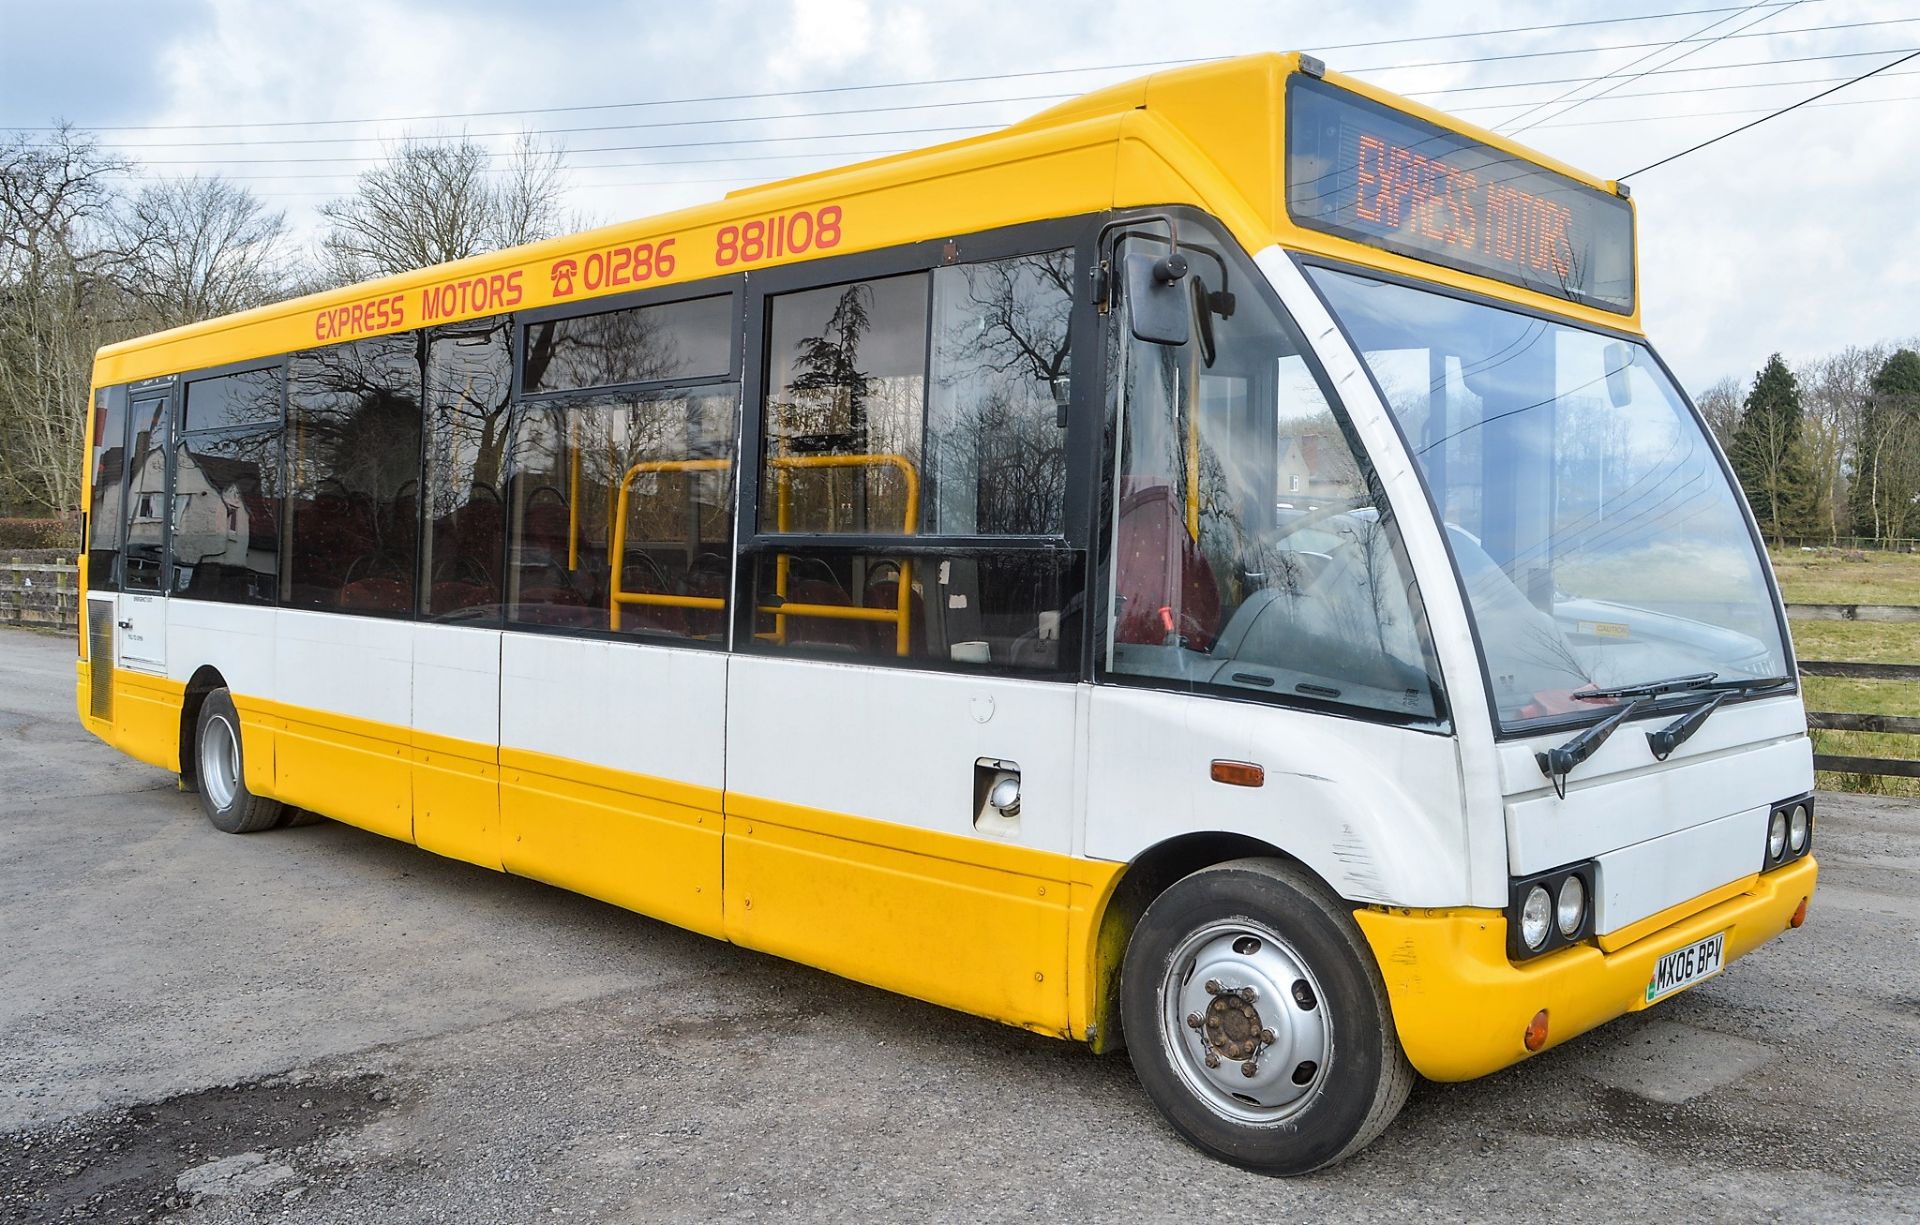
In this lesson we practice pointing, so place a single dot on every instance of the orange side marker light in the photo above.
(1799, 914)
(1238, 773)
(1536, 1036)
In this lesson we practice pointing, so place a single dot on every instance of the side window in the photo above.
(469, 385)
(353, 476)
(146, 492)
(106, 510)
(623, 512)
(845, 409)
(997, 398)
(925, 410)
(1250, 552)
(226, 489)
(641, 344)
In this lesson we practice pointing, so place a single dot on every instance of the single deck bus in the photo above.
(1215, 568)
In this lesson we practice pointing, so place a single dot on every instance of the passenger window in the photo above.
(997, 399)
(469, 385)
(353, 476)
(106, 511)
(146, 494)
(845, 407)
(1004, 610)
(226, 490)
(643, 344)
(623, 513)
(1250, 550)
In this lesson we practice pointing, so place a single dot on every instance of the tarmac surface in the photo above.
(318, 1024)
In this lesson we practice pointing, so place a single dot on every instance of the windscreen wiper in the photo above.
(1649, 689)
(1557, 763)
(1675, 734)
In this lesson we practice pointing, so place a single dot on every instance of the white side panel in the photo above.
(652, 710)
(900, 746)
(141, 631)
(346, 665)
(237, 639)
(1645, 879)
(1375, 810)
(1547, 832)
(456, 682)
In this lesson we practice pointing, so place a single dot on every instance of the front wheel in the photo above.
(1257, 1021)
(220, 772)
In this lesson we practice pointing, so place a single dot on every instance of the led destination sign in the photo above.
(1370, 173)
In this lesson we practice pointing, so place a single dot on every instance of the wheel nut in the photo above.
(1213, 1060)
(1249, 994)
(1193, 1020)
(1266, 1037)
(1213, 986)
(1249, 1068)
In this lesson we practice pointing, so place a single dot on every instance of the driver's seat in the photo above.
(1163, 583)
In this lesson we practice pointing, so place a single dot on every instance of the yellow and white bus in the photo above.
(1215, 567)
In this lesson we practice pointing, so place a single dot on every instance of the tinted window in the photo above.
(249, 398)
(1251, 552)
(105, 512)
(625, 502)
(353, 475)
(996, 403)
(1012, 609)
(846, 402)
(469, 378)
(644, 344)
(146, 493)
(226, 515)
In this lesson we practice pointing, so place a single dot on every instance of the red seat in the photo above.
(377, 595)
(1164, 582)
(453, 596)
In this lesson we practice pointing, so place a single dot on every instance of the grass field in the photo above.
(1834, 577)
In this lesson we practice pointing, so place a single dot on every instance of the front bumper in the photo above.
(1462, 1008)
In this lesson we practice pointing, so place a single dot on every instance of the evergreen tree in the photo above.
(1769, 455)
(1886, 466)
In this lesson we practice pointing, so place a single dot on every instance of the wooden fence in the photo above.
(45, 595)
(1844, 721)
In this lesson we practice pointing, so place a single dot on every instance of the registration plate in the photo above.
(1684, 967)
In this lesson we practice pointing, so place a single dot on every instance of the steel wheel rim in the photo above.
(220, 762)
(1282, 1031)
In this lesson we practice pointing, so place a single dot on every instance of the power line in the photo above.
(1674, 93)
(1774, 115)
(1752, 110)
(839, 89)
(1635, 62)
(1778, 60)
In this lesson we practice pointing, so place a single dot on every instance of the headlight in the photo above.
(1797, 828)
(1535, 914)
(1777, 835)
(1570, 908)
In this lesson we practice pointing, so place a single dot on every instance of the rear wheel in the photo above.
(1257, 1020)
(220, 771)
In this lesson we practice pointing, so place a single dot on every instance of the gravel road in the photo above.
(318, 1024)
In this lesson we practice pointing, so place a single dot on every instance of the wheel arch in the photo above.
(1147, 876)
(205, 680)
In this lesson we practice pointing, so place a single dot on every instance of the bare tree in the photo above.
(58, 303)
(430, 203)
(1720, 405)
(201, 247)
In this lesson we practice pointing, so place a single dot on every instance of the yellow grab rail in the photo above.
(780, 611)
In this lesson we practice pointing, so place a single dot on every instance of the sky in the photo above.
(1797, 237)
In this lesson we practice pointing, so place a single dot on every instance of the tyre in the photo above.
(220, 772)
(1257, 1020)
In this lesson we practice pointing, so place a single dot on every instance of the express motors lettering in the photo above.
(1405, 190)
(357, 318)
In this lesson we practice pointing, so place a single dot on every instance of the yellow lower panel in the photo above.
(1462, 1008)
(941, 917)
(647, 844)
(456, 799)
(146, 718)
(349, 769)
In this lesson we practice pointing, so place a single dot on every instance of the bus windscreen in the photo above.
(1370, 173)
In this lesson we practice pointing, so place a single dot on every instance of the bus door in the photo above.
(902, 717)
(142, 621)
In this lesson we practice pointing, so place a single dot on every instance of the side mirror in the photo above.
(1618, 358)
(1158, 307)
